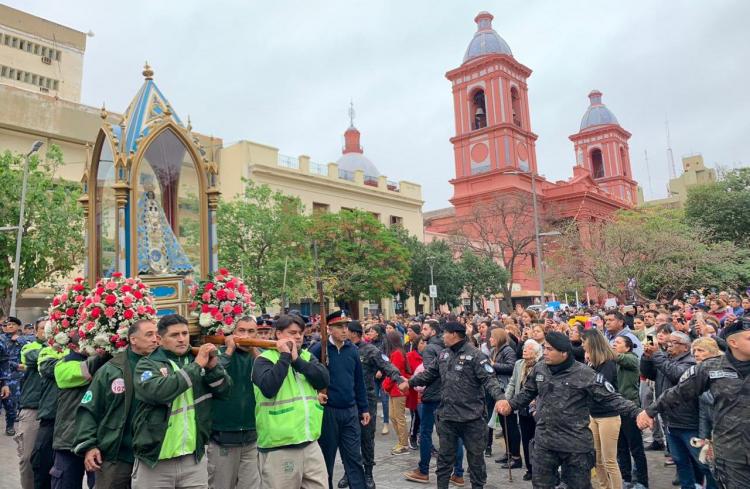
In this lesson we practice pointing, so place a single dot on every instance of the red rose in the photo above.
(237, 309)
(219, 316)
(55, 301)
(90, 326)
(79, 298)
(127, 301)
(70, 312)
(221, 294)
(137, 294)
(78, 287)
(65, 323)
(121, 344)
(110, 312)
(229, 285)
(117, 274)
(125, 288)
(242, 288)
(111, 300)
(209, 286)
(205, 308)
(141, 310)
(150, 310)
(128, 314)
(228, 320)
(99, 290)
(223, 271)
(96, 312)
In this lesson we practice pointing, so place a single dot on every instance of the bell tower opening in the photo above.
(624, 162)
(515, 103)
(478, 110)
(597, 163)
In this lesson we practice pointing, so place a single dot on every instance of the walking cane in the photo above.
(507, 449)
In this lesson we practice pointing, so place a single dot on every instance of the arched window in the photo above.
(597, 163)
(478, 110)
(624, 161)
(515, 104)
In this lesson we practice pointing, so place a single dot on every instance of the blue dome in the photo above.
(486, 40)
(597, 114)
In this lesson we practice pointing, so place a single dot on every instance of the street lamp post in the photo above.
(19, 235)
(431, 264)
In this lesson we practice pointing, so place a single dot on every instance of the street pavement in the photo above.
(389, 469)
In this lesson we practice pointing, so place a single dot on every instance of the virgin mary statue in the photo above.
(159, 251)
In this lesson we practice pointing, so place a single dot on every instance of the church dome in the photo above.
(597, 114)
(486, 40)
(353, 157)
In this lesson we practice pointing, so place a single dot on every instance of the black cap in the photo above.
(337, 318)
(14, 320)
(355, 326)
(454, 327)
(264, 324)
(740, 325)
(558, 341)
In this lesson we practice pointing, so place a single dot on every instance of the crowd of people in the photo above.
(562, 392)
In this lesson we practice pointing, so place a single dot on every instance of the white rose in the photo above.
(62, 338)
(205, 319)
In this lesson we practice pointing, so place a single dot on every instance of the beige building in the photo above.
(694, 172)
(40, 56)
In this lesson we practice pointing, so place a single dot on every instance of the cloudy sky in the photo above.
(282, 73)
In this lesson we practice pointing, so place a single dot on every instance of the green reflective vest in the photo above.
(294, 416)
(181, 435)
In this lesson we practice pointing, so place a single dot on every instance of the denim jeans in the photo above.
(383, 397)
(686, 457)
(426, 424)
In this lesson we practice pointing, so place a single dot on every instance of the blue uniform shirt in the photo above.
(347, 386)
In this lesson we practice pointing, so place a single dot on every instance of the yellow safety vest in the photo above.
(181, 435)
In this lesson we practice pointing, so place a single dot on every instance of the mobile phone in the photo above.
(550, 314)
(650, 339)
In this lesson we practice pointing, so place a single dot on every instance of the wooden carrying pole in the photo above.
(249, 342)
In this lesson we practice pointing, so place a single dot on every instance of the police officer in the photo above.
(13, 344)
(564, 389)
(173, 420)
(464, 371)
(346, 407)
(104, 419)
(373, 361)
(727, 377)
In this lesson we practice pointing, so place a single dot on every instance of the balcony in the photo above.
(288, 162)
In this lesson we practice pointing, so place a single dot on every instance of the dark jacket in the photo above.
(32, 383)
(608, 370)
(102, 413)
(233, 418)
(666, 373)
(347, 385)
(48, 358)
(157, 385)
(430, 355)
(731, 410)
(464, 371)
(373, 360)
(503, 362)
(562, 405)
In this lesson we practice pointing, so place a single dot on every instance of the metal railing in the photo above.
(288, 162)
(318, 169)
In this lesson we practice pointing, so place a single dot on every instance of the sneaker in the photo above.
(514, 464)
(344, 482)
(488, 452)
(417, 476)
(668, 461)
(413, 443)
(10, 431)
(527, 476)
(385, 429)
(457, 481)
(656, 446)
(399, 451)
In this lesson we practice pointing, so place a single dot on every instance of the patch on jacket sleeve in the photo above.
(146, 375)
(688, 373)
(602, 381)
(87, 397)
(722, 374)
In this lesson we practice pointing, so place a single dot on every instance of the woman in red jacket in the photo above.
(397, 404)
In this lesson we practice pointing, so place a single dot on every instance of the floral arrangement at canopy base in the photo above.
(219, 302)
(109, 310)
(63, 314)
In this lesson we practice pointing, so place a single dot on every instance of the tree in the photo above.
(52, 244)
(483, 277)
(721, 207)
(657, 248)
(502, 229)
(359, 258)
(446, 272)
(260, 234)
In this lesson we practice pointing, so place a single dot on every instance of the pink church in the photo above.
(495, 151)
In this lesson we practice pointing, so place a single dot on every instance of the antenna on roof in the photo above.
(352, 113)
(670, 156)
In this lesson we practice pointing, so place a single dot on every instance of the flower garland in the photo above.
(63, 315)
(109, 310)
(219, 302)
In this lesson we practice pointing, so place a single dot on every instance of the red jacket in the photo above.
(415, 360)
(399, 361)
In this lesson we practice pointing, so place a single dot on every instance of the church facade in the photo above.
(495, 158)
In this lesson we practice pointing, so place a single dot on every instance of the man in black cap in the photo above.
(373, 360)
(564, 389)
(726, 377)
(264, 325)
(466, 374)
(346, 407)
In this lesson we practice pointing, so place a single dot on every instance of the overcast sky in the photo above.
(282, 73)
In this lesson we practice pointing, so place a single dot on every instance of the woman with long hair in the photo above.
(605, 423)
(703, 349)
(532, 353)
(376, 336)
(503, 359)
(397, 404)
